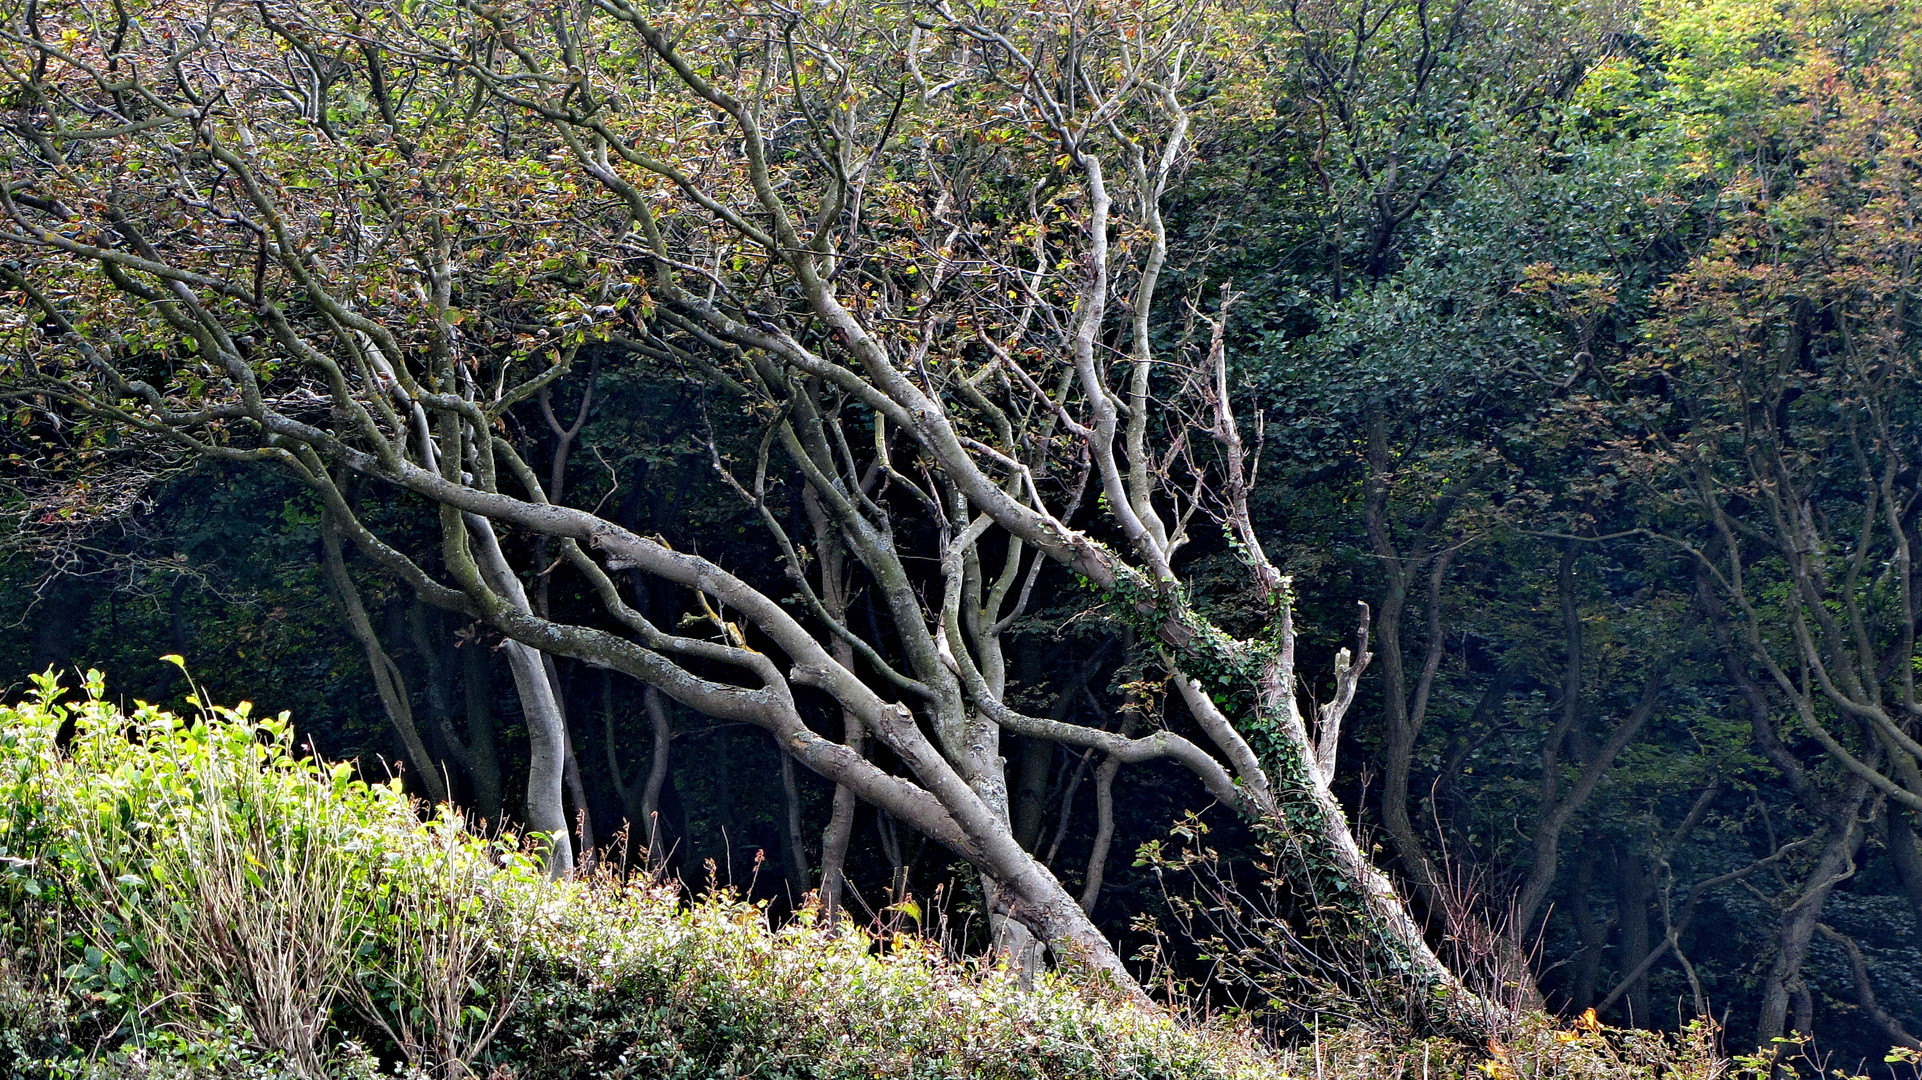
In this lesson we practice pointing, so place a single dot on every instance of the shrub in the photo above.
(201, 895)
(196, 898)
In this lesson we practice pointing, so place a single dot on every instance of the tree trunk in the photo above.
(475, 751)
(840, 829)
(1631, 898)
(583, 819)
(663, 733)
(1557, 812)
(1103, 832)
(1592, 933)
(483, 755)
(641, 797)
(794, 853)
(1784, 985)
(546, 728)
(1031, 791)
(546, 756)
(388, 683)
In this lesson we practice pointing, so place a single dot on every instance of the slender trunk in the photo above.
(1105, 774)
(474, 751)
(1103, 832)
(888, 831)
(1405, 707)
(1031, 791)
(546, 728)
(1548, 834)
(557, 476)
(483, 755)
(392, 689)
(663, 733)
(1592, 933)
(794, 855)
(640, 801)
(546, 756)
(834, 598)
(834, 852)
(1403, 727)
(1631, 898)
(437, 685)
(722, 773)
(1784, 986)
(583, 820)
(1065, 815)
(840, 828)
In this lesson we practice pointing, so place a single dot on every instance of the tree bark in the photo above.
(1404, 709)
(394, 698)
(835, 599)
(544, 813)
(1031, 791)
(641, 795)
(794, 856)
(1795, 928)
(475, 751)
(582, 821)
(1631, 900)
(1592, 933)
(1104, 777)
(840, 828)
(657, 766)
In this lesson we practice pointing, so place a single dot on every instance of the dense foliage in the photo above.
(1576, 341)
(193, 897)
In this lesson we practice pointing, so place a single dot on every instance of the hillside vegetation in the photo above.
(196, 897)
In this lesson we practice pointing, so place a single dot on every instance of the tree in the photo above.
(1770, 420)
(918, 247)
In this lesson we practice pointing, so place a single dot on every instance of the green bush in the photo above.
(197, 898)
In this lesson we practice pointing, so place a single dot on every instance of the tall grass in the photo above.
(201, 885)
(220, 868)
(448, 975)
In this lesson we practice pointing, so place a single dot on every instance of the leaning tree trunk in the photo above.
(571, 780)
(546, 730)
(394, 698)
(1796, 927)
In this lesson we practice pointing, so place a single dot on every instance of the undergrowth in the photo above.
(191, 898)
